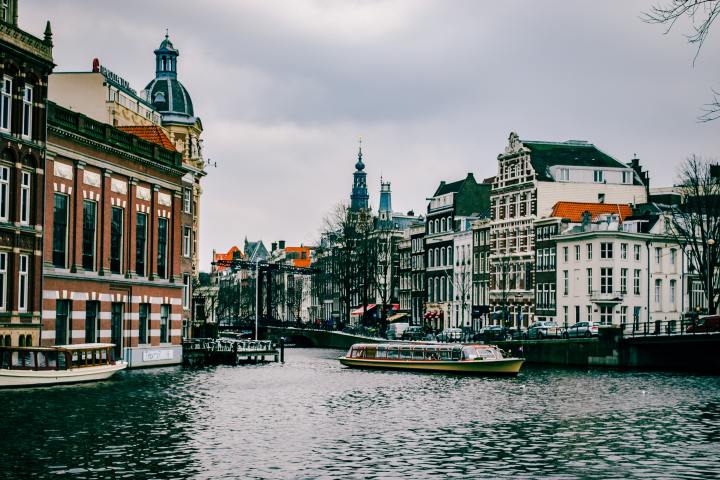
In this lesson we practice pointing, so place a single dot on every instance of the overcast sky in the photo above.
(284, 88)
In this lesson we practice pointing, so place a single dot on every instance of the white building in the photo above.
(461, 306)
(614, 273)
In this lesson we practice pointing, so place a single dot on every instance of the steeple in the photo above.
(166, 58)
(359, 196)
(385, 209)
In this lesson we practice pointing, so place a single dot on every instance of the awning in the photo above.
(359, 311)
(397, 317)
(433, 315)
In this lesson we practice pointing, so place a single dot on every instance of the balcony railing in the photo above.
(606, 297)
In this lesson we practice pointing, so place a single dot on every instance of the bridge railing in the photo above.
(227, 345)
(669, 327)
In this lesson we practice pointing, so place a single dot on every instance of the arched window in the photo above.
(442, 224)
(431, 297)
(430, 227)
(444, 257)
(437, 225)
(8, 340)
(450, 255)
(28, 341)
(437, 289)
(443, 291)
(431, 259)
(449, 223)
(450, 288)
(437, 257)
(21, 341)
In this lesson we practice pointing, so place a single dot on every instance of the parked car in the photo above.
(413, 332)
(450, 335)
(705, 325)
(581, 329)
(496, 332)
(543, 329)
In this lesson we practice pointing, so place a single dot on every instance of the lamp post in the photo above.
(257, 294)
(710, 243)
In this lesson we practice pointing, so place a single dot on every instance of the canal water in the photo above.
(310, 418)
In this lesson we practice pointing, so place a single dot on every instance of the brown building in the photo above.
(113, 249)
(25, 62)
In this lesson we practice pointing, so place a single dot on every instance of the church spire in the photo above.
(359, 196)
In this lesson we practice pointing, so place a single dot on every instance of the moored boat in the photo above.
(453, 358)
(38, 366)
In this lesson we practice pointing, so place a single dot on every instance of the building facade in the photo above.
(24, 69)
(481, 273)
(532, 177)
(114, 244)
(418, 293)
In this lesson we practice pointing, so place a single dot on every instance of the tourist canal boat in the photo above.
(471, 359)
(38, 366)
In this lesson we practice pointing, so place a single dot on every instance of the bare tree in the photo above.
(695, 225)
(702, 14)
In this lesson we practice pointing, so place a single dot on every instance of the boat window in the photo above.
(444, 354)
(370, 352)
(103, 356)
(418, 354)
(356, 353)
(62, 358)
(485, 353)
(52, 359)
(469, 353)
(392, 353)
(381, 352)
(456, 353)
(406, 353)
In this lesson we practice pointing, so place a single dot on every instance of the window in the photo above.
(623, 280)
(164, 319)
(116, 240)
(89, 234)
(6, 103)
(673, 257)
(186, 242)
(442, 224)
(27, 111)
(623, 251)
(589, 251)
(565, 314)
(626, 177)
(62, 313)
(606, 280)
(552, 295)
(636, 251)
(658, 255)
(186, 291)
(601, 198)
(3, 281)
(658, 292)
(606, 250)
(4, 192)
(564, 175)
(140, 244)
(143, 314)
(566, 282)
(162, 247)
(25, 198)
(636, 318)
(60, 220)
(565, 254)
(23, 270)
(589, 281)
(598, 176)
(91, 321)
(589, 313)
(636, 282)
(577, 253)
(673, 289)
(187, 200)
(606, 314)
(624, 314)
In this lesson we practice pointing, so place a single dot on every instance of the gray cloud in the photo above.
(434, 87)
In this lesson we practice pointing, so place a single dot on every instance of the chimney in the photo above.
(273, 246)
(281, 244)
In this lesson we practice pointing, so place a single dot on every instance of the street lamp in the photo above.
(710, 243)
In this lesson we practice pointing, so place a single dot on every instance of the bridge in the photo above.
(311, 337)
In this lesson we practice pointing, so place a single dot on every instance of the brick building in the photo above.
(25, 62)
(113, 248)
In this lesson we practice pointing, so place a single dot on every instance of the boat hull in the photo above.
(37, 378)
(505, 366)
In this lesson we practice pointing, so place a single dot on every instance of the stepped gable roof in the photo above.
(544, 155)
(151, 133)
(573, 211)
(472, 198)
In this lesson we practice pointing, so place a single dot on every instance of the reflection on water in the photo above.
(310, 418)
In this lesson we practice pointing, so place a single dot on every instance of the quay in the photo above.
(228, 351)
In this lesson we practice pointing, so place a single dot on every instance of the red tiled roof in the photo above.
(226, 256)
(573, 211)
(151, 133)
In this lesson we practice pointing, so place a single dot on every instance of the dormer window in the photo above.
(626, 177)
(564, 175)
(598, 176)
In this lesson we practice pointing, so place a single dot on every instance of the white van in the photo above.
(395, 330)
